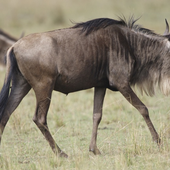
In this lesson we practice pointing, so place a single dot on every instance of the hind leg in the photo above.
(43, 96)
(20, 88)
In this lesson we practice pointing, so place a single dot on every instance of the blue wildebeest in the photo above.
(101, 53)
(6, 41)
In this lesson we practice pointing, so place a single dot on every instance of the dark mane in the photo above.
(96, 24)
(7, 35)
(138, 28)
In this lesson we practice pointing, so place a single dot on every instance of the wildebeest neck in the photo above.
(150, 53)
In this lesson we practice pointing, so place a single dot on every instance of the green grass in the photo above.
(123, 137)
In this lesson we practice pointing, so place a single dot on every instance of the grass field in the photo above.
(123, 137)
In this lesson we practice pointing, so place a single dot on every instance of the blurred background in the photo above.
(33, 16)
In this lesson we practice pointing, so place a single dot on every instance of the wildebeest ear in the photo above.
(167, 28)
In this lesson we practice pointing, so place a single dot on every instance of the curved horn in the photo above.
(167, 28)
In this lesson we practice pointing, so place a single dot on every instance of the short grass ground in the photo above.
(123, 137)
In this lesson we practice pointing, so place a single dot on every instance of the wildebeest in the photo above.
(6, 41)
(101, 53)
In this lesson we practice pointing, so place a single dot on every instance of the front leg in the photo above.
(99, 94)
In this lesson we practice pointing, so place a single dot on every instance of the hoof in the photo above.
(158, 141)
(95, 151)
(63, 155)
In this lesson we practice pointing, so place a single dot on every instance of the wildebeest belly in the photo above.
(70, 84)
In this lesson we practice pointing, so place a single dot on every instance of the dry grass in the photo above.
(123, 137)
